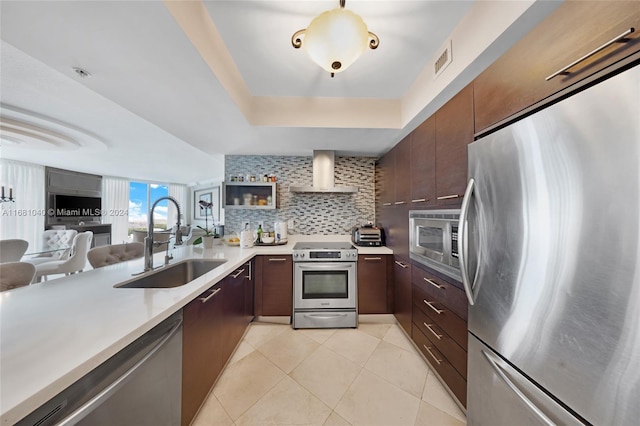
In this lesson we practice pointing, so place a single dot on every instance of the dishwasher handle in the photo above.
(94, 402)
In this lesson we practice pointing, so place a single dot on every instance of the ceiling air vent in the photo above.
(443, 60)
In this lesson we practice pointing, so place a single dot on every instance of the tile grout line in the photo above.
(359, 367)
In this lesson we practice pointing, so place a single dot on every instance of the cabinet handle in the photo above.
(213, 293)
(277, 260)
(436, 285)
(249, 270)
(447, 197)
(432, 355)
(593, 52)
(238, 274)
(419, 200)
(401, 264)
(386, 204)
(438, 311)
(400, 202)
(372, 258)
(438, 336)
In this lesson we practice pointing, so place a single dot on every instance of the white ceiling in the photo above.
(176, 85)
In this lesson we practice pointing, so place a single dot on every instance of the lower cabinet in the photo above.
(439, 328)
(202, 340)
(234, 321)
(274, 285)
(214, 323)
(375, 293)
(454, 380)
(402, 298)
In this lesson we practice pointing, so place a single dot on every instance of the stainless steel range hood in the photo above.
(324, 176)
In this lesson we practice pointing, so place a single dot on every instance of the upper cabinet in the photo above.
(386, 172)
(250, 195)
(402, 172)
(525, 74)
(454, 130)
(423, 164)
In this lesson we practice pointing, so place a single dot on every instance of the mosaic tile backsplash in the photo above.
(324, 214)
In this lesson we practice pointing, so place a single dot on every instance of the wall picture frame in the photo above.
(209, 195)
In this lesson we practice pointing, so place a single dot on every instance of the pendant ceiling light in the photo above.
(335, 39)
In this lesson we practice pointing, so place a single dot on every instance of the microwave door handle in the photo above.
(463, 231)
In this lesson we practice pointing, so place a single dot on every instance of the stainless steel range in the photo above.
(325, 292)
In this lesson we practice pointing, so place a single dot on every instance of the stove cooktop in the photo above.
(328, 245)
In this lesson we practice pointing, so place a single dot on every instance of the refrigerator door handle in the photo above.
(500, 372)
(463, 230)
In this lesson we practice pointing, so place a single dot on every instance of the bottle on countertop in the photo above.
(259, 234)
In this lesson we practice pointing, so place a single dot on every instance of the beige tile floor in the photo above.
(369, 376)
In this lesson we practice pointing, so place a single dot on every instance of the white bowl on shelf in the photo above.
(268, 240)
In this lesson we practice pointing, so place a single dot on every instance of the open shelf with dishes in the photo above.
(250, 195)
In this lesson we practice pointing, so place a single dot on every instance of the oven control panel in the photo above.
(323, 256)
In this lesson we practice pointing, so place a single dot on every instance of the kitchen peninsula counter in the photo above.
(54, 333)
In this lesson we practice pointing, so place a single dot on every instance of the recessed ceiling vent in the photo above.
(443, 60)
(324, 175)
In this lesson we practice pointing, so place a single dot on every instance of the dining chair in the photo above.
(12, 250)
(116, 253)
(52, 240)
(15, 274)
(75, 263)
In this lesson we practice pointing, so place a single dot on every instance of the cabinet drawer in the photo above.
(445, 344)
(452, 324)
(452, 378)
(448, 294)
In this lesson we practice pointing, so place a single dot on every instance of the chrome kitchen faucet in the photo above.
(148, 240)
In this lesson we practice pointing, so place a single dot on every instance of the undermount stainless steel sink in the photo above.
(174, 275)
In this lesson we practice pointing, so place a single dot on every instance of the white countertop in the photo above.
(53, 333)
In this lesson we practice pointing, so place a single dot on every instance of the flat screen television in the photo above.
(75, 206)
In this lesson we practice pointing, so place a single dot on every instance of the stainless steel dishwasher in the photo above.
(140, 385)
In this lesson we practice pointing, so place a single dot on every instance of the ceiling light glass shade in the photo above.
(335, 39)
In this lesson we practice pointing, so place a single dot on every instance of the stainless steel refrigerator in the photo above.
(550, 230)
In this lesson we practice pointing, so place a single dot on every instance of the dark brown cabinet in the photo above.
(402, 166)
(423, 165)
(235, 320)
(375, 292)
(249, 290)
(441, 364)
(386, 177)
(274, 285)
(402, 298)
(429, 169)
(201, 341)
(449, 293)
(214, 324)
(517, 80)
(454, 131)
(439, 327)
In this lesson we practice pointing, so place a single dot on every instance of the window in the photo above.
(141, 197)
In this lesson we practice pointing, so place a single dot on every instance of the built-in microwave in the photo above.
(433, 240)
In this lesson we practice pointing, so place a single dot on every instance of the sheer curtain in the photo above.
(115, 206)
(25, 218)
(179, 192)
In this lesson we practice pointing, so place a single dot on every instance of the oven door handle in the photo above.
(325, 316)
(335, 266)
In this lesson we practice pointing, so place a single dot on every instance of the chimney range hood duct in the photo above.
(323, 176)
